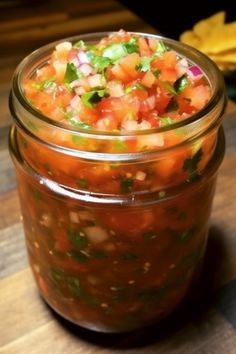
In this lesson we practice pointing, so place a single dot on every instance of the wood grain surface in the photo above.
(206, 324)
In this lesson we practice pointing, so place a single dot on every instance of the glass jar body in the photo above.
(115, 237)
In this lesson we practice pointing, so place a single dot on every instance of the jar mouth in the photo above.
(209, 68)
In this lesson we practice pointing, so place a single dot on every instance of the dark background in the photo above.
(171, 18)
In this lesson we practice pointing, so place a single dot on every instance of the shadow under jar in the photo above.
(115, 235)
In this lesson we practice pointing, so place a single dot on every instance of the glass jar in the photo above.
(115, 235)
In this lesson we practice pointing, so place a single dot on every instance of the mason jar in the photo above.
(115, 228)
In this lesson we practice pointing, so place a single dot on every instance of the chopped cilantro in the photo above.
(187, 234)
(78, 256)
(144, 64)
(136, 86)
(181, 83)
(43, 85)
(72, 73)
(77, 239)
(37, 194)
(131, 46)
(99, 254)
(172, 106)
(156, 72)
(57, 274)
(74, 286)
(126, 183)
(78, 140)
(74, 121)
(80, 44)
(128, 257)
(120, 145)
(169, 88)
(166, 121)
(91, 98)
(149, 235)
(151, 295)
(100, 63)
(82, 182)
(117, 51)
(161, 48)
(162, 194)
(190, 165)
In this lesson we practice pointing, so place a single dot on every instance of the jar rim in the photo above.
(197, 57)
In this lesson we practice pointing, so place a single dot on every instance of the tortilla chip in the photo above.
(191, 39)
(221, 38)
(204, 27)
(228, 56)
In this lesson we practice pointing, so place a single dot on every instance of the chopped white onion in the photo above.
(150, 102)
(181, 67)
(96, 234)
(73, 215)
(96, 80)
(64, 46)
(74, 103)
(60, 68)
(85, 215)
(130, 125)
(79, 90)
(86, 69)
(82, 56)
(145, 125)
(115, 89)
(150, 141)
(75, 61)
(140, 176)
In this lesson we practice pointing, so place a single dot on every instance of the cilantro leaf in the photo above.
(77, 239)
(73, 121)
(172, 106)
(100, 63)
(43, 85)
(126, 183)
(89, 99)
(136, 86)
(166, 121)
(190, 165)
(144, 64)
(80, 44)
(161, 48)
(181, 83)
(168, 87)
(72, 73)
(131, 46)
(116, 51)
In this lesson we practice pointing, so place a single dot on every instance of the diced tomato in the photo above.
(162, 99)
(148, 79)
(129, 64)
(167, 66)
(144, 48)
(198, 95)
(88, 115)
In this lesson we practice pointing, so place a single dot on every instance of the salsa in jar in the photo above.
(116, 141)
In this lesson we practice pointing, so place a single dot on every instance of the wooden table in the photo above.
(205, 325)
